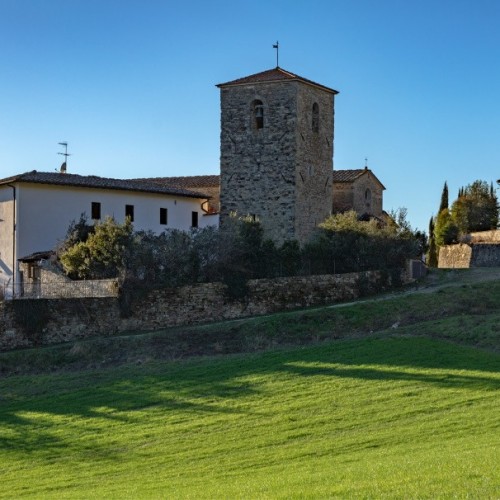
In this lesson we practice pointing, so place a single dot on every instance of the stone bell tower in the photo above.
(277, 133)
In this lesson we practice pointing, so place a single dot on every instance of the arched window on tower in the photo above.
(315, 117)
(258, 114)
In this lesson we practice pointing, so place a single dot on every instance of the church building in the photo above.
(358, 190)
(276, 158)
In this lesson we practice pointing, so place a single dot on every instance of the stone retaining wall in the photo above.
(486, 255)
(455, 256)
(492, 236)
(70, 319)
(465, 255)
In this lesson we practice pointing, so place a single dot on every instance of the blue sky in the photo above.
(130, 85)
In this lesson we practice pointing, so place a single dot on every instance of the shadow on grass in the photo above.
(28, 404)
(27, 409)
(446, 379)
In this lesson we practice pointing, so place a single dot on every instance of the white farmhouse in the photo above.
(36, 209)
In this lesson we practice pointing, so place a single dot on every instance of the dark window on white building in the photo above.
(163, 216)
(194, 219)
(95, 210)
(129, 212)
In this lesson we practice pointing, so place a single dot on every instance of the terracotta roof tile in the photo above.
(352, 175)
(186, 182)
(347, 175)
(274, 75)
(37, 256)
(93, 181)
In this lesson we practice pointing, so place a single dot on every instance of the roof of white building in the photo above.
(93, 181)
(186, 182)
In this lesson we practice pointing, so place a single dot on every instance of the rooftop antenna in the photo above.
(277, 47)
(64, 166)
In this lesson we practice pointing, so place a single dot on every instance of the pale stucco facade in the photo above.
(35, 216)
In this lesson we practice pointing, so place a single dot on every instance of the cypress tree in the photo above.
(432, 260)
(444, 198)
(432, 256)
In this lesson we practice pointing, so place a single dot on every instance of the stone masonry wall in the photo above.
(455, 256)
(485, 255)
(68, 319)
(280, 173)
(351, 196)
(343, 197)
(492, 236)
(52, 283)
(71, 319)
(360, 204)
(258, 165)
(469, 255)
(314, 161)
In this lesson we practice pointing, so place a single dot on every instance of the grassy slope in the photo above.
(392, 414)
(396, 417)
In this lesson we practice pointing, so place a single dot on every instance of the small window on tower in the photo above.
(258, 114)
(315, 117)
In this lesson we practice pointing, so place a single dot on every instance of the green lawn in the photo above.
(406, 417)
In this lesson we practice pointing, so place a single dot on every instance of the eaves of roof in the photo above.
(34, 257)
(274, 75)
(185, 182)
(346, 175)
(349, 176)
(92, 181)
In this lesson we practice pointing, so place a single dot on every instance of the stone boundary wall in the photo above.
(52, 283)
(72, 319)
(492, 236)
(463, 256)
(486, 255)
(455, 256)
(70, 289)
